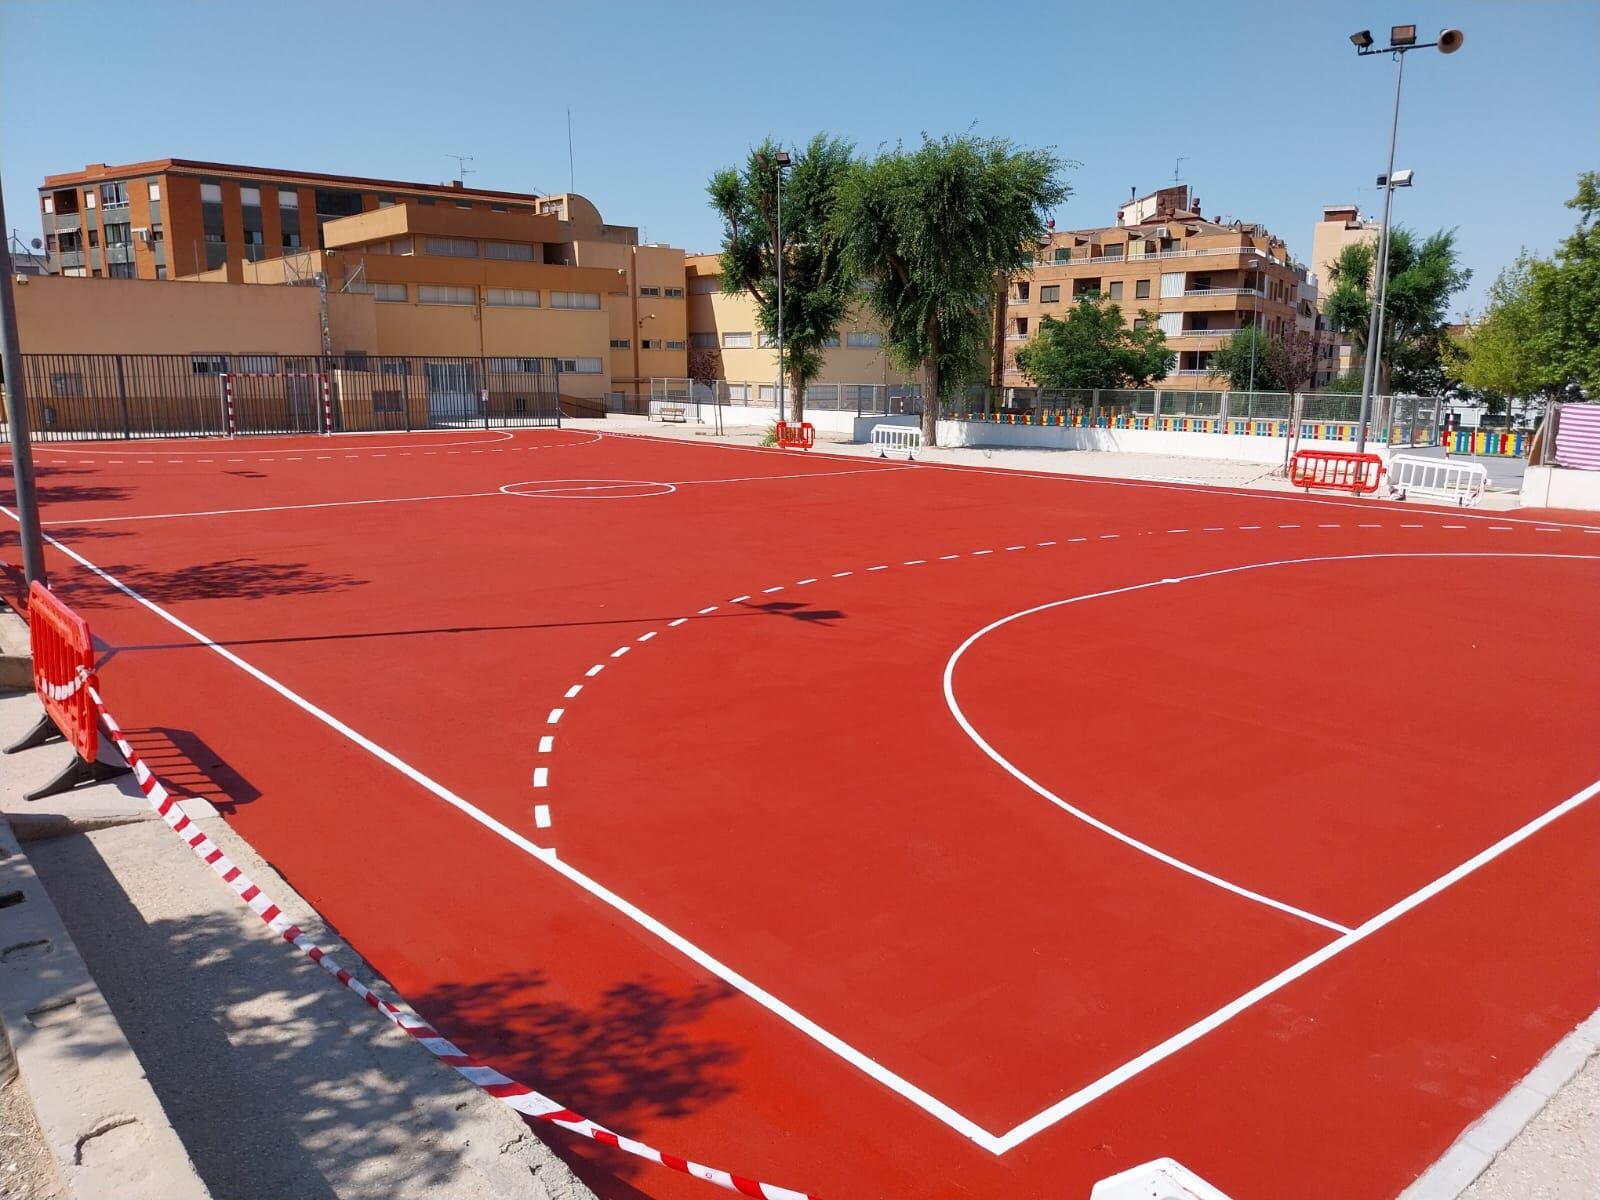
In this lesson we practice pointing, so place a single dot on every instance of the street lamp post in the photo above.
(1402, 39)
(22, 478)
(780, 163)
(1255, 320)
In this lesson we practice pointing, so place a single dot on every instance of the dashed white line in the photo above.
(620, 651)
(1008, 548)
(942, 558)
(978, 552)
(1288, 527)
(572, 692)
(1186, 531)
(676, 623)
(541, 777)
(541, 816)
(1249, 527)
(770, 590)
(803, 582)
(738, 600)
(547, 743)
(710, 608)
(645, 637)
(880, 567)
(595, 670)
(917, 562)
(1047, 543)
(555, 715)
(1105, 537)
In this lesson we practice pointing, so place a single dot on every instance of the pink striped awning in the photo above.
(1578, 437)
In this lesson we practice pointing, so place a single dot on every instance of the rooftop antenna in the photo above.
(1177, 168)
(462, 170)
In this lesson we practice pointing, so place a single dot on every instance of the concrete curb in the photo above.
(1486, 1138)
(106, 1130)
(16, 652)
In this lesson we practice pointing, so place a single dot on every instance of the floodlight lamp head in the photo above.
(1450, 40)
(782, 159)
(1361, 40)
(1403, 35)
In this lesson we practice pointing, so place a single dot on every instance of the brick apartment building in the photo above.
(1201, 278)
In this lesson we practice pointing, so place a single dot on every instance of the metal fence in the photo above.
(862, 399)
(84, 397)
(1326, 416)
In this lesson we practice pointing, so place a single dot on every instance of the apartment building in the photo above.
(1201, 278)
(1341, 225)
(174, 216)
(726, 343)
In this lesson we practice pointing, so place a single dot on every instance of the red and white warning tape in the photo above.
(518, 1096)
(63, 691)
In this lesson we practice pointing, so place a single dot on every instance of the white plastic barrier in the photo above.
(1458, 483)
(896, 437)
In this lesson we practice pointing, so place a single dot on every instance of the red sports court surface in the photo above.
(914, 830)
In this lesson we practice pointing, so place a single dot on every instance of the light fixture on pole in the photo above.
(1402, 38)
(780, 164)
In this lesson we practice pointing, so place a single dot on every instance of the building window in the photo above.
(672, 293)
(703, 341)
(737, 341)
(288, 198)
(48, 203)
(517, 366)
(114, 195)
(161, 270)
(831, 341)
(208, 364)
(429, 293)
(498, 208)
(513, 298)
(119, 270)
(574, 299)
(582, 366)
(1022, 293)
(390, 293)
(671, 345)
(119, 235)
(1116, 289)
(250, 197)
(452, 247)
(88, 198)
(650, 344)
(649, 291)
(210, 193)
(620, 343)
(291, 240)
(1050, 294)
(94, 237)
(1020, 327)
(157, 232)
(765, 340)
(705, 285)
(155, 190)
(463, 203)
(1141, 289)
(863, 339)
(508, 251)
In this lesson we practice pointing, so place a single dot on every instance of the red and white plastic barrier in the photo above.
(508, 1091)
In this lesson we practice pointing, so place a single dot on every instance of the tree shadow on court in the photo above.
(630, 1057)
(50, 483)
(225, 579)
(247, 474)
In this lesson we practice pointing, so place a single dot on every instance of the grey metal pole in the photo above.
(1369, 372)
(17, 423)
(783, 412)
(1255, 330)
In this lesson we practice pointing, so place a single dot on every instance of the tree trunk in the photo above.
(797, 395)
(930, 401)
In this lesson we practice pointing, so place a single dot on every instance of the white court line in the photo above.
(231, 512)
(541, 816)
(929, 1103)
(995, 1144)
(1087, 1094)
(541, 777)
(572, 692)
(546, 744)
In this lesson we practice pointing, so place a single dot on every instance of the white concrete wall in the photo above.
(1561, 487)
(1231, 446)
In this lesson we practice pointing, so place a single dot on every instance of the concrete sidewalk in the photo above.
(277, 1081)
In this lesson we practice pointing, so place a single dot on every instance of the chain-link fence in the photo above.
(84, 397)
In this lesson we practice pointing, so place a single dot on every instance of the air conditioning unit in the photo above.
(141, 232)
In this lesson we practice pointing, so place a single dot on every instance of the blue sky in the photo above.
(1272, 111)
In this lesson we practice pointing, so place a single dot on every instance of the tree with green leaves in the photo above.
(1566, 299)
(818, 285)
(1093, 347)
(932, 228)
(1499, 355)
(1234, 357)
(1423, 275)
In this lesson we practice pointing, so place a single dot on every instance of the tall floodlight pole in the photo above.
(17, 422)
(1255, 322)
(1402, 39)
(779, 165)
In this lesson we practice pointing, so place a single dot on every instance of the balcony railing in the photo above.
(1198, 333)
(1205, 252)
(1223, 292)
